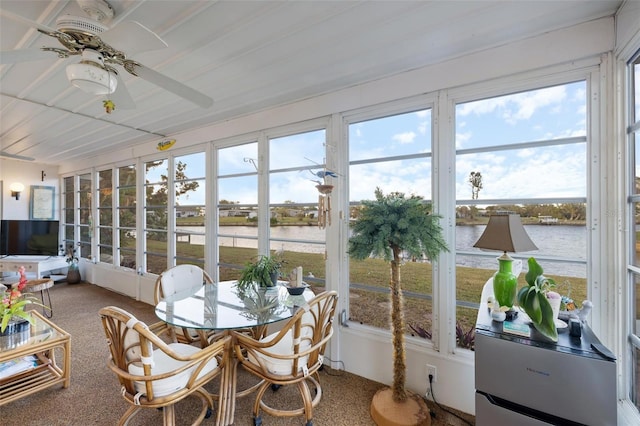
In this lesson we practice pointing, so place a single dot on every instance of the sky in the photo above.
(538, 115)
(544, 114)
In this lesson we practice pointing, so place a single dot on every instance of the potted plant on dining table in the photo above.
(263, 273)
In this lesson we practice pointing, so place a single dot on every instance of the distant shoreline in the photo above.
(525, 221)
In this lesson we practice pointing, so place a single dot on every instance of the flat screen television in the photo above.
(29, 237)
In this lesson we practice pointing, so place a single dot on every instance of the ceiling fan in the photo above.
(99, 48)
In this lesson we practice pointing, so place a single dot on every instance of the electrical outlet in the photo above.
(431, 371)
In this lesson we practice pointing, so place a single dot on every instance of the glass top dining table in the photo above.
(221, 306)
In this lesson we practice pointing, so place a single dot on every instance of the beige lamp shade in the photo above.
(505, 233)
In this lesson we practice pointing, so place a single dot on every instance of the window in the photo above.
(522, 153)
(156, 215)
(393, 153)
(77, 196)
(189, 207)
(633, 264)
(297, 233)
(104, 225)
(68, 213)
(126, 223)
(85, 226)
(237, 207)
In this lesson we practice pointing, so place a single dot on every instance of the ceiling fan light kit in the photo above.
(91, 76)
(99, 10)
(81, 28)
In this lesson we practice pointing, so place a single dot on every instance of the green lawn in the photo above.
(369, 302)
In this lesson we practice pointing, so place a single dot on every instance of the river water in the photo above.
(561, 241)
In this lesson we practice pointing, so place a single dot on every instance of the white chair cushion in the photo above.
(283, 347)
(274, 365)
(164, 363)
(181, 277)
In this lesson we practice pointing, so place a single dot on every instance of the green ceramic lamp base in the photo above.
(505, 284)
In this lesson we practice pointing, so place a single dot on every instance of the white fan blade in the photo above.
(24, 55)
(132, 37)
(16, 156)
(173, 86)
(121, 97)
(29, 22)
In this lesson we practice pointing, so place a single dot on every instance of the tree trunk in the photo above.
(397, 329)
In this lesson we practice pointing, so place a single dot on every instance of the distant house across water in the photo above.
(547, 220)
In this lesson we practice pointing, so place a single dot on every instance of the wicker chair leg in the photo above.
(207, 405)
(257, 404)
(307, 401)
(128, 415)
(169, 415)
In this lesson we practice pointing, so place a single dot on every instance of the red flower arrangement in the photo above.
(14, 302)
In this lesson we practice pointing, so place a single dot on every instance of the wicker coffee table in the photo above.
(45, 342)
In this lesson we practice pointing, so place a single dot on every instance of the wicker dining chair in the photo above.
(154, 374)
(291, 356)
(183, 278)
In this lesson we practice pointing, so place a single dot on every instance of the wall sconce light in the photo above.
(16, 188)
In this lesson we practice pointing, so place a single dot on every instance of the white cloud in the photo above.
(579, 95)
(530, 173)
(484, 106)
(409, 177)
(461, 138)
(513, 108)
(525, 153)
(404, 138)
(526, 104)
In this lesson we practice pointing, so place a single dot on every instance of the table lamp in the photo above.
(505, 233)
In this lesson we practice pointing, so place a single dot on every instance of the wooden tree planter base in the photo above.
(386, 412)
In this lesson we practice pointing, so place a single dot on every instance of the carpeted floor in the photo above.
(93, 397)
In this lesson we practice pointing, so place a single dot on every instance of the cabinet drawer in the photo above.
(8, 267)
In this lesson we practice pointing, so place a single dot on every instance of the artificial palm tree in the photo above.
(389, 227)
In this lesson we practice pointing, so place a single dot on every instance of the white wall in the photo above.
(28, 174)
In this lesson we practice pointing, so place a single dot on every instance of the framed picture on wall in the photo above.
(41, 202)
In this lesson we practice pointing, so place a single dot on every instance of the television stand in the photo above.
(32, 264)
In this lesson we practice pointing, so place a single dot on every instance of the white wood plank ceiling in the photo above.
(245, 55)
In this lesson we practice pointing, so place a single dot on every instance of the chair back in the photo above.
(148, 367)
(298, 348)
(180, 278)
(314, 328)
